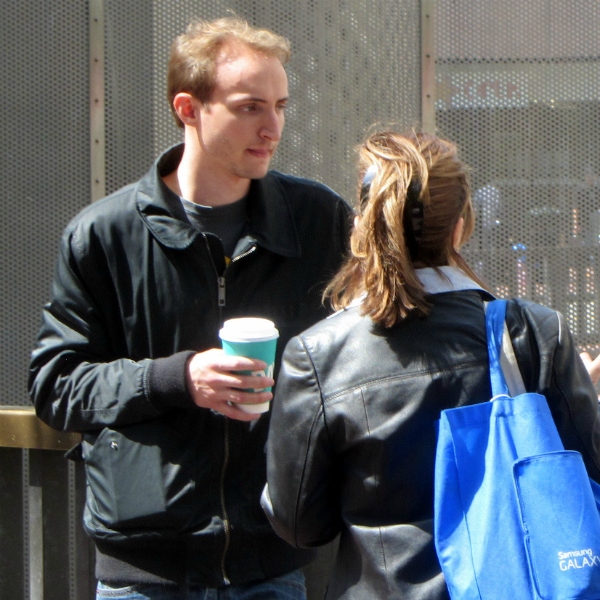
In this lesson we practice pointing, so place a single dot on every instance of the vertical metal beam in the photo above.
(35, 522)
(12, 547)
(428, 66)
(97, 117)
(73, 519)
(53, 468)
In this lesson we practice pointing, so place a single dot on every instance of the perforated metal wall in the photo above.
(44, 101)
(518, 88)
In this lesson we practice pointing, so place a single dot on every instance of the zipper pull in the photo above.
(221, 281)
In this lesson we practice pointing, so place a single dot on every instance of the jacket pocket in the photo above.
(139, 476)
(561, 525)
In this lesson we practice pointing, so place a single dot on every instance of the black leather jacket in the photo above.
(358, 404)
(174, 489)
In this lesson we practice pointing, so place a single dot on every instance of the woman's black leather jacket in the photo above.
(358, 404)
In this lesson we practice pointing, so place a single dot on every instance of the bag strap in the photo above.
(505, 375)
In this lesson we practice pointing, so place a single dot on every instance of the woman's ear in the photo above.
(185, 105)
(457, 234)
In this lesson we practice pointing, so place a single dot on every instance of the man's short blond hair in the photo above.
(194, 54)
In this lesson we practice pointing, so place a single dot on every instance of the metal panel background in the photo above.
(518, 88)
(45, 161)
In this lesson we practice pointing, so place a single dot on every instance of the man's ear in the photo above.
(186, 107)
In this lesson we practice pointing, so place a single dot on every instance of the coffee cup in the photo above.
(251, 337)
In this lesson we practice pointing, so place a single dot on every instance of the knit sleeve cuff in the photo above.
(167, 381)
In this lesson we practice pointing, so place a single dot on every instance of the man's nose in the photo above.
(272, 126)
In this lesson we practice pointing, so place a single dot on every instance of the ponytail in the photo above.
(413, 193)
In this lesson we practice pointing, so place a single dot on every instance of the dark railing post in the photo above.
(41, 505)
(12, 574)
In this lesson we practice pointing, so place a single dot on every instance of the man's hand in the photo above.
(592, 366)
(213, 384)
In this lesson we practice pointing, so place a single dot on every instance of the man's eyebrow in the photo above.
(262, 100)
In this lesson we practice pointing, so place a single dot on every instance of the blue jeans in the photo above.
(287, 587)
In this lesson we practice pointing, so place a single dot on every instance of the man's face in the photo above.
(241, 125)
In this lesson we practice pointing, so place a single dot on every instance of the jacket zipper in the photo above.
(221, 295)
(221, 283)
(226, 525)
(224, 514)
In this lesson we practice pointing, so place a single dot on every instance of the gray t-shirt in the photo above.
(226, 222)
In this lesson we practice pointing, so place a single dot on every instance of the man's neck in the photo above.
(192, 181)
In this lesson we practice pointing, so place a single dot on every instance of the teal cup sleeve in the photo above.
(261, 350)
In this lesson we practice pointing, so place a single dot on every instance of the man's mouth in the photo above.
(260, 152)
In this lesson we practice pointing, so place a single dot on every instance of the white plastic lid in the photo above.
(248, 329)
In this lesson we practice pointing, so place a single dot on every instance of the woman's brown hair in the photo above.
(406, 219)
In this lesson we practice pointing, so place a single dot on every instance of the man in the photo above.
(128, 349)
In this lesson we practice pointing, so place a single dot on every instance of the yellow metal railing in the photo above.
(21, 428)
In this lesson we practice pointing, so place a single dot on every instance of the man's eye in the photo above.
(250, 108)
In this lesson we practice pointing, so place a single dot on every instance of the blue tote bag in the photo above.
(516, 516)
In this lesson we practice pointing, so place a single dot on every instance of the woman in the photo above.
(352, 435)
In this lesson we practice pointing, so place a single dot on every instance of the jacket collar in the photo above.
(271, 221)
(446, 279)
(437, 281)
